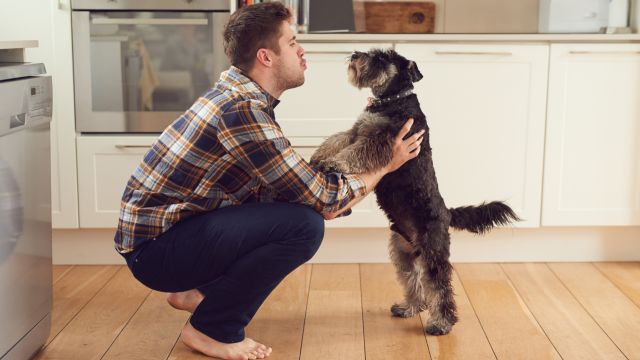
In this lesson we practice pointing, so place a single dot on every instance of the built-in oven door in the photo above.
(137, 71)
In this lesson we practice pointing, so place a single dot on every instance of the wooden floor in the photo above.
(507, 311)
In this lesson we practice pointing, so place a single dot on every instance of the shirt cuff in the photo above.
(357, 185)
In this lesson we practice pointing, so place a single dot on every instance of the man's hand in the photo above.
(330, 216)
(405, 150)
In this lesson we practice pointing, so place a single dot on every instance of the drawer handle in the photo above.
(499, 53)
(120, 146)
(155, 21)
(604, 52)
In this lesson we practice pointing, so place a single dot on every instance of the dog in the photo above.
(419, 219)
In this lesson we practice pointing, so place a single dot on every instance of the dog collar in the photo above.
(374, 101)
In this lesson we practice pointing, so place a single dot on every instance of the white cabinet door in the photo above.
(592, 158)
(49, 22)
(105, 164)
(485, 107)
(327, 102)
(365, 214)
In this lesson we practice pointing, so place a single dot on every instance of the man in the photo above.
(221, 209)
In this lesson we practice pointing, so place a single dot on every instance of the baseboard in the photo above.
(548, 244)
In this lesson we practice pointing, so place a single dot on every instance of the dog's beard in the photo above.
(360, 78)
(353, 75)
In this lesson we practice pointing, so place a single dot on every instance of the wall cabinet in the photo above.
(592, 158)
(485, 107)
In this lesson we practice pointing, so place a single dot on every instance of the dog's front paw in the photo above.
(315, 160)
(331, 165)
(404, 310)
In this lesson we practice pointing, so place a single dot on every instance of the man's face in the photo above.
(290, 63)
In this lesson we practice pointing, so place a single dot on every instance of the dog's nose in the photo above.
(356, 54)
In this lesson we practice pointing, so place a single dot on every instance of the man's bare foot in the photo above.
(243, 350)
(186, 300)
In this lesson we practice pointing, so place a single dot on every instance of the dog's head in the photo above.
(384, 71)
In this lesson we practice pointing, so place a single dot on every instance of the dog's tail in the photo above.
(482, 218)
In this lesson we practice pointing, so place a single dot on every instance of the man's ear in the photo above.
(414, 73)
(264, 57)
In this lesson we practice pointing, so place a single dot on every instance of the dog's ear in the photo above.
(414, 73)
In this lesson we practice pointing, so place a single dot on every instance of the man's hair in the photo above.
(251, 28)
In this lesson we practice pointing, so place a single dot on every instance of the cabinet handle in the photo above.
(499, 53)
(604, 52)
(120, 146)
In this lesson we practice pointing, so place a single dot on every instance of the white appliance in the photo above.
(618, 13)
(138, 64)
(573, 16)
(25, 210)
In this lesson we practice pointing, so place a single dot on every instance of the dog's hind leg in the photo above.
(437, 280)
(409, 276)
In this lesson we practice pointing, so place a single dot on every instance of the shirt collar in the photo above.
(235, 78)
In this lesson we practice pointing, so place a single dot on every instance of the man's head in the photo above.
(259, 38)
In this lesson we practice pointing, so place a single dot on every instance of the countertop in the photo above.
(18, 44)
(540, 38)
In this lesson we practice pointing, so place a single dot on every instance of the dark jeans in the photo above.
(235, 256)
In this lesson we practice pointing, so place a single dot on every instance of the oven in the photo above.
(139, 64)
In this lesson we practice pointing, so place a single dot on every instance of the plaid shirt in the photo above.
(226, 149)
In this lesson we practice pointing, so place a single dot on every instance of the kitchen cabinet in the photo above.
(592, 155)
(105, 164)
(485, 107)
(327, 102)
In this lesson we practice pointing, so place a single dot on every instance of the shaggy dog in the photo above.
(420, 220)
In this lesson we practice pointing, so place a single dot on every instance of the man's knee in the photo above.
(312, 228)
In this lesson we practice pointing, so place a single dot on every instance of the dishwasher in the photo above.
(25, 209)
